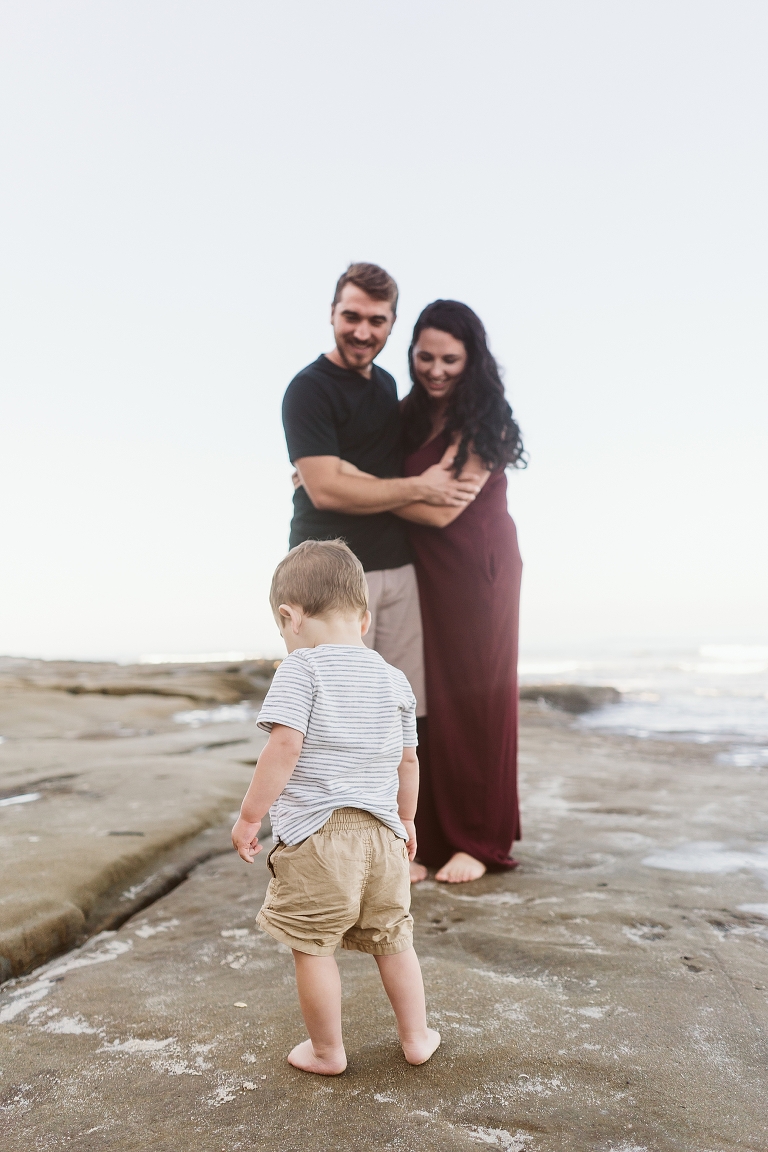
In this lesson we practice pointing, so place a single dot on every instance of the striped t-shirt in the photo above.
(356, 714)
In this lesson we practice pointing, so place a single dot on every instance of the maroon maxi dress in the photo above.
(469, 588)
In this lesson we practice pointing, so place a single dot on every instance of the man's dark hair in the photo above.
(372, 280)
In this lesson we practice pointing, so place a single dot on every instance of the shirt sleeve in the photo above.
(290, 696)
(308, 420)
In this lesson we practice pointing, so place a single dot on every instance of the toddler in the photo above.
(340, 778)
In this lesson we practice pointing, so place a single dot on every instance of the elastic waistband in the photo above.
(349, 820)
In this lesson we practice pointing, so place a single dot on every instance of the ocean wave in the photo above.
(702, 693)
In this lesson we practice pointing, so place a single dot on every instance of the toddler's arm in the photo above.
(272, 773)
(407, 796)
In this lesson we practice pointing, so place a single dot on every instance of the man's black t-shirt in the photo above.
(332, 411)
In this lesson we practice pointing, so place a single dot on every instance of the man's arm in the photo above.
(332, 488)
(273, 771)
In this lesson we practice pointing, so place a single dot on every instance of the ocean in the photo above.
(705, 693)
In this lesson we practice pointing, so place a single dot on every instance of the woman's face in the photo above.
(438, 362)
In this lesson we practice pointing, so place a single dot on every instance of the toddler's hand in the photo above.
(245, 839)
(410, 828)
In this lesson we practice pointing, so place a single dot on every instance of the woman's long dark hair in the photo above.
(478, 410)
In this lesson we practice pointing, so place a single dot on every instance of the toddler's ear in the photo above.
(365, 623)
(290, 617)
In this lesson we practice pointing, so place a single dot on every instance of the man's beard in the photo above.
(357, 352)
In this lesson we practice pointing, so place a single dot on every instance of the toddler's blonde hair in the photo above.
(320, 577)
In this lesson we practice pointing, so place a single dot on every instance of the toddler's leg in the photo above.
(401, 976)
(319, 985)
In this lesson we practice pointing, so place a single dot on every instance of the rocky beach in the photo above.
(611, 994)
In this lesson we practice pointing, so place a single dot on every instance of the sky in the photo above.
(182, 183)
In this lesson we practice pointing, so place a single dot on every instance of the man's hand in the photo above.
(410, 828)
(442, 488)
(245, 839)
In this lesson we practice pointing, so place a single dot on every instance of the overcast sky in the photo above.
(183, 182)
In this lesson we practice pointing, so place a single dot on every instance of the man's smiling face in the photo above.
(361, 326)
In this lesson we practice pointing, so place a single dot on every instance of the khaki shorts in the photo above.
(347, 884)
(395, 631)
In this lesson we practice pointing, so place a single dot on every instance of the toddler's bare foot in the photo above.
(418, 873)
(460, 868)
(419, 1051)
(333, 1064)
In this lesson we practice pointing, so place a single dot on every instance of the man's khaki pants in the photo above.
(395, 632)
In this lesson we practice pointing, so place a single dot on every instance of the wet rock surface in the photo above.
(610, 994)
(223, 683)
(574, 698)
(100, 794)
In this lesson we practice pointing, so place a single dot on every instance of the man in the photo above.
(344, 408)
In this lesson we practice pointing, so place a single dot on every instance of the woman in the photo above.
(468, 567)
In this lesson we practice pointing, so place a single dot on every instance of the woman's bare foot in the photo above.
(460, 868)
(419, 1051)
(418, 872)
(333, 1064)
